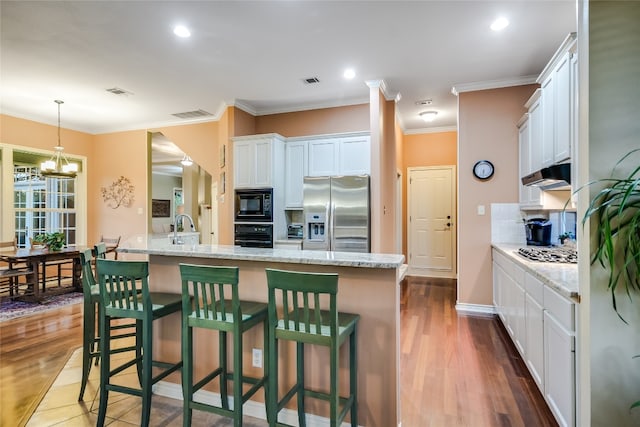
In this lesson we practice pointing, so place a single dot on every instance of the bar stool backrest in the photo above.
(88, 279)
(214, 290)
(100, 250)
(301, 296)
(124, 287)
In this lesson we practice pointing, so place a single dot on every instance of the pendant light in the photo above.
(186, 161)
(58, 166)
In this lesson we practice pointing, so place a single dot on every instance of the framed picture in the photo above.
(223, 183)
(223, 155)
(160, 208)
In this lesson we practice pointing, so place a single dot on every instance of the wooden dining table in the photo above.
(37, 257)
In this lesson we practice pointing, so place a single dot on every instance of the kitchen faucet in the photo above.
(176, 241)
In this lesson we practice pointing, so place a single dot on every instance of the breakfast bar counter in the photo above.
(368, 285)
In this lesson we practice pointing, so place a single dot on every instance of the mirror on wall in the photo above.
(177, 189)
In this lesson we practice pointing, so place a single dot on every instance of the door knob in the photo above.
(448, 224)
(448, 216)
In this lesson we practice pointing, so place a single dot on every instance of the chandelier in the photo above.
(58, 166)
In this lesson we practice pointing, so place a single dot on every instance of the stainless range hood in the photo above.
(556, 177)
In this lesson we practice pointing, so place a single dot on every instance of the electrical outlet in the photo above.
(257, 358)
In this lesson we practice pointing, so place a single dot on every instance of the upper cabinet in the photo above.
(295, 170)
(346, 155)
(557, 104)
(258, 161)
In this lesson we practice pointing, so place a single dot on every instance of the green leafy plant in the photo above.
(616, 212)
(54, 241)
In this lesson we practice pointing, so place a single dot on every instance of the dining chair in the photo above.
(125, 294)
(210, 300)
(90, 330)
(304, 320)
(111, 244)
(11, 270)
(61, 266)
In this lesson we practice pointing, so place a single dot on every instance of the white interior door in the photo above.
(431, 222)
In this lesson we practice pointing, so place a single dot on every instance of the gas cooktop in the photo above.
(552, 254)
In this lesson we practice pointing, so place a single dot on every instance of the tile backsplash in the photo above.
(506, 224)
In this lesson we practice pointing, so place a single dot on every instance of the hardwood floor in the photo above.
(459, 370)
(455, 370)
(33, 349)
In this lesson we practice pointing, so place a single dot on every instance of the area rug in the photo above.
(10, 309)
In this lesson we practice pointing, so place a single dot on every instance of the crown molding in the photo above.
(493, 84)
(438, 129)
(380, 84)
(244, 107)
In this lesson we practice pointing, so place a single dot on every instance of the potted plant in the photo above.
(616, 212)
(53, 241)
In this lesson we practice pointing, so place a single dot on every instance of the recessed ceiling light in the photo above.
(428, 116)
(181, 31)
(349, 73)
(499, 24)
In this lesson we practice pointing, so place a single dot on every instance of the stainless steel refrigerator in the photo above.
(336, 214)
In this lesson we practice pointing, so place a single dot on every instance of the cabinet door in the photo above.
(294, 173)
(559, 370)
(547, 105)
(525, 160)
(562, 92)
(518, 316)
(354, 156)
(323, 157)
(243, 160)
(262, 160)
(535, 340)
(574, 128)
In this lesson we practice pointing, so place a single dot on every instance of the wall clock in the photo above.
(483, 169)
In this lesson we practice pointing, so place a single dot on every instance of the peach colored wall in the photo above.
(426, 149)
(32, 134)
(243, 122)
(119, 154)
(487, 130)
(352, 118)
(388, 179)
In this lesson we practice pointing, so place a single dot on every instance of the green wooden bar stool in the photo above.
(90, 333)
(216, 305)
(304, 321)
(124, 289)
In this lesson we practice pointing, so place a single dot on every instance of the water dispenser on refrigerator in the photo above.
(316, 226)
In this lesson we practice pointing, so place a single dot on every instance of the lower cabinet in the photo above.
(541, 324)
(559, 359)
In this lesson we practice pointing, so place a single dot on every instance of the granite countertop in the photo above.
(563, 278)
(343, 259)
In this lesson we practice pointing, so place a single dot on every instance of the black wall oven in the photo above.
(254, 205)
(254, 235)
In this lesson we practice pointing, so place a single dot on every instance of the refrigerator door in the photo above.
(349, 220)
(316, 204)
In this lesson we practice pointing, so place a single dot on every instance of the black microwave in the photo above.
(254, 205)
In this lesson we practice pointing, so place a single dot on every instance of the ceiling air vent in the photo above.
(118, 91)
(192, 114)
(311, 80)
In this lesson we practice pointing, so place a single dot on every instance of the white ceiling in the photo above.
(255, 55)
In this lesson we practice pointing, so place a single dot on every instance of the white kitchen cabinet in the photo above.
(323, 157)
(345, 155)
(557, 105)
(354, 155)
(574, 126)
(295, 171)
(559, 356)
(535, 329)
(258, 161)
(530, 197)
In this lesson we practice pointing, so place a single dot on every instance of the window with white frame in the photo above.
(43, 205)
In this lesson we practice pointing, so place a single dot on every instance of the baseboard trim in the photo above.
(251, 408)
(475, 309)
(424, 272)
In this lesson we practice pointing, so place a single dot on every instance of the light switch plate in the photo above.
(257, 358)
(480, 209)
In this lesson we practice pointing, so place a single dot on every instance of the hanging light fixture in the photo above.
(58, 166)
(186, 161)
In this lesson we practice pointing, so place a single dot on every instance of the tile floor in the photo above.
(60, 405)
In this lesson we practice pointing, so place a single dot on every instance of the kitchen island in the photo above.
(368, 285)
